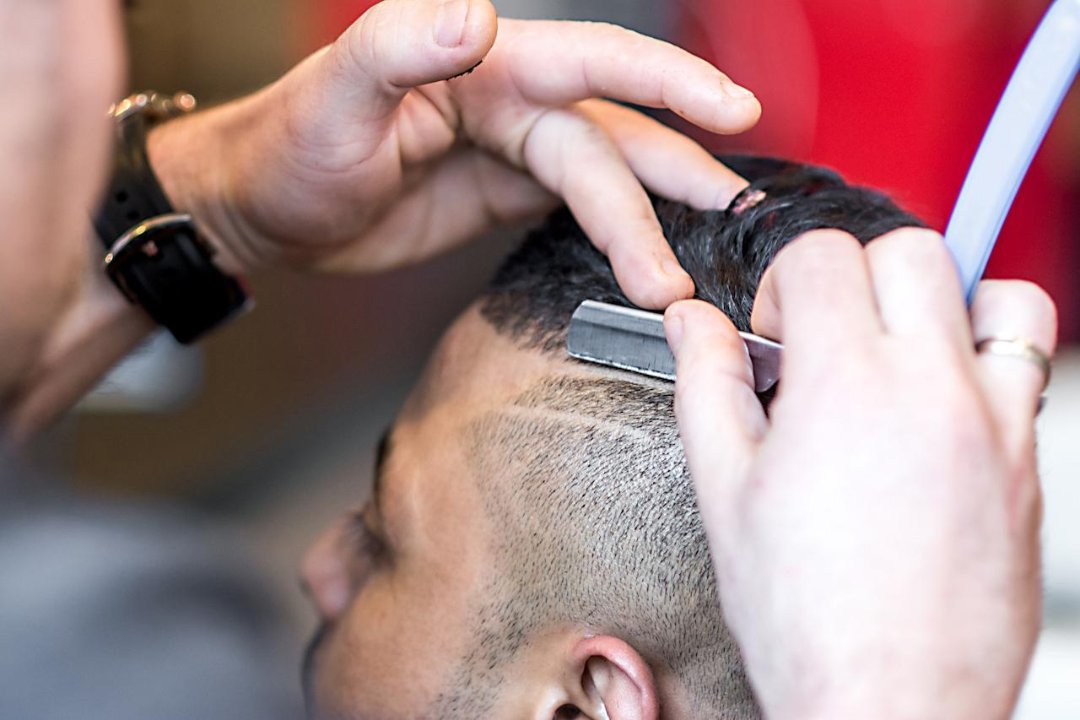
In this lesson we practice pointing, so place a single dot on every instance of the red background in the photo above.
(895, 94)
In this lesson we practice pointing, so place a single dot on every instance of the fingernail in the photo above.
(673, 329)
(673, 270)
(450, 21)
(737, 92)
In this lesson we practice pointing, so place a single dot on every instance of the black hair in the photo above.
(726, 252)
(585, 477)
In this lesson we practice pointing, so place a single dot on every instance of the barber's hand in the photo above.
(876, 538)
(60, 68)
(393, 144)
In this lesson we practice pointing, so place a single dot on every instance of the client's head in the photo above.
(533, 549)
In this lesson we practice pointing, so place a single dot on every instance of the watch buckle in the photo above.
(140, 238)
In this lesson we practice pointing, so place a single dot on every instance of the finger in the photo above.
(817, 297)
(393, 47)
(586, 60)
(1013, 385)
(575, 159)
(667, 162)
(720, 418)
(917, 288)
(464, 196)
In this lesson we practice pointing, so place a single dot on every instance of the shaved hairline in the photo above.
(605, 535)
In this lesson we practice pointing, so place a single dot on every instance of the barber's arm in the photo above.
(424, 125)
(60, 66)
(876, 537)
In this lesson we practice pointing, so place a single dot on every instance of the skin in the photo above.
(377, 151)
(50, 175)
(349, 135)
(415, 597)
(925, 536)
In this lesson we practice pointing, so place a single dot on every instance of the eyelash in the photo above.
(367, 542)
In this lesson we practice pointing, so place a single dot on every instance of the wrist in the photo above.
(194, 158)
(96, 329)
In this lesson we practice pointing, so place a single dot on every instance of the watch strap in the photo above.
(156, 255)
(134, 192)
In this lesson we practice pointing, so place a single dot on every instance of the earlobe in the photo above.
(616, 681)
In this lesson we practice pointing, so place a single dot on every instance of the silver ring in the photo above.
(1016, 348)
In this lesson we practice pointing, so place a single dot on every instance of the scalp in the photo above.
(597, 526)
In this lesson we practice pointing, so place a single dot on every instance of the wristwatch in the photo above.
(154, 253)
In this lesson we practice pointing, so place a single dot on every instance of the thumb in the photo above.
(721, 420)
(397, 45)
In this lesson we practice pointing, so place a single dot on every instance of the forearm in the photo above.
(98, 329)
(99, 326)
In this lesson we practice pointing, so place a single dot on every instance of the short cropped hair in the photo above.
(726, 252)
(586, 478)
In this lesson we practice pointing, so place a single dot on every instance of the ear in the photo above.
(614, 681)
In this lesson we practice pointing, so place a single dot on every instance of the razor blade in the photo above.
(634, 340)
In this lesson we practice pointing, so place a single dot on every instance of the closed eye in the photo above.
(364, 540)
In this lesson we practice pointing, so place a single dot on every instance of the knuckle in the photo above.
(592, 136)
(917, 248)
(715, 352)
(635, 240)
(826, 237)
(924, 247)
(1025, 306)
(817, 256)
(1034, 298)
(821, 247)
(577, 136)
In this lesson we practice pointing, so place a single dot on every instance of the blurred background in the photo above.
(226, 461)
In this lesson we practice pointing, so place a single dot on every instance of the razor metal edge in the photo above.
(634, 340)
